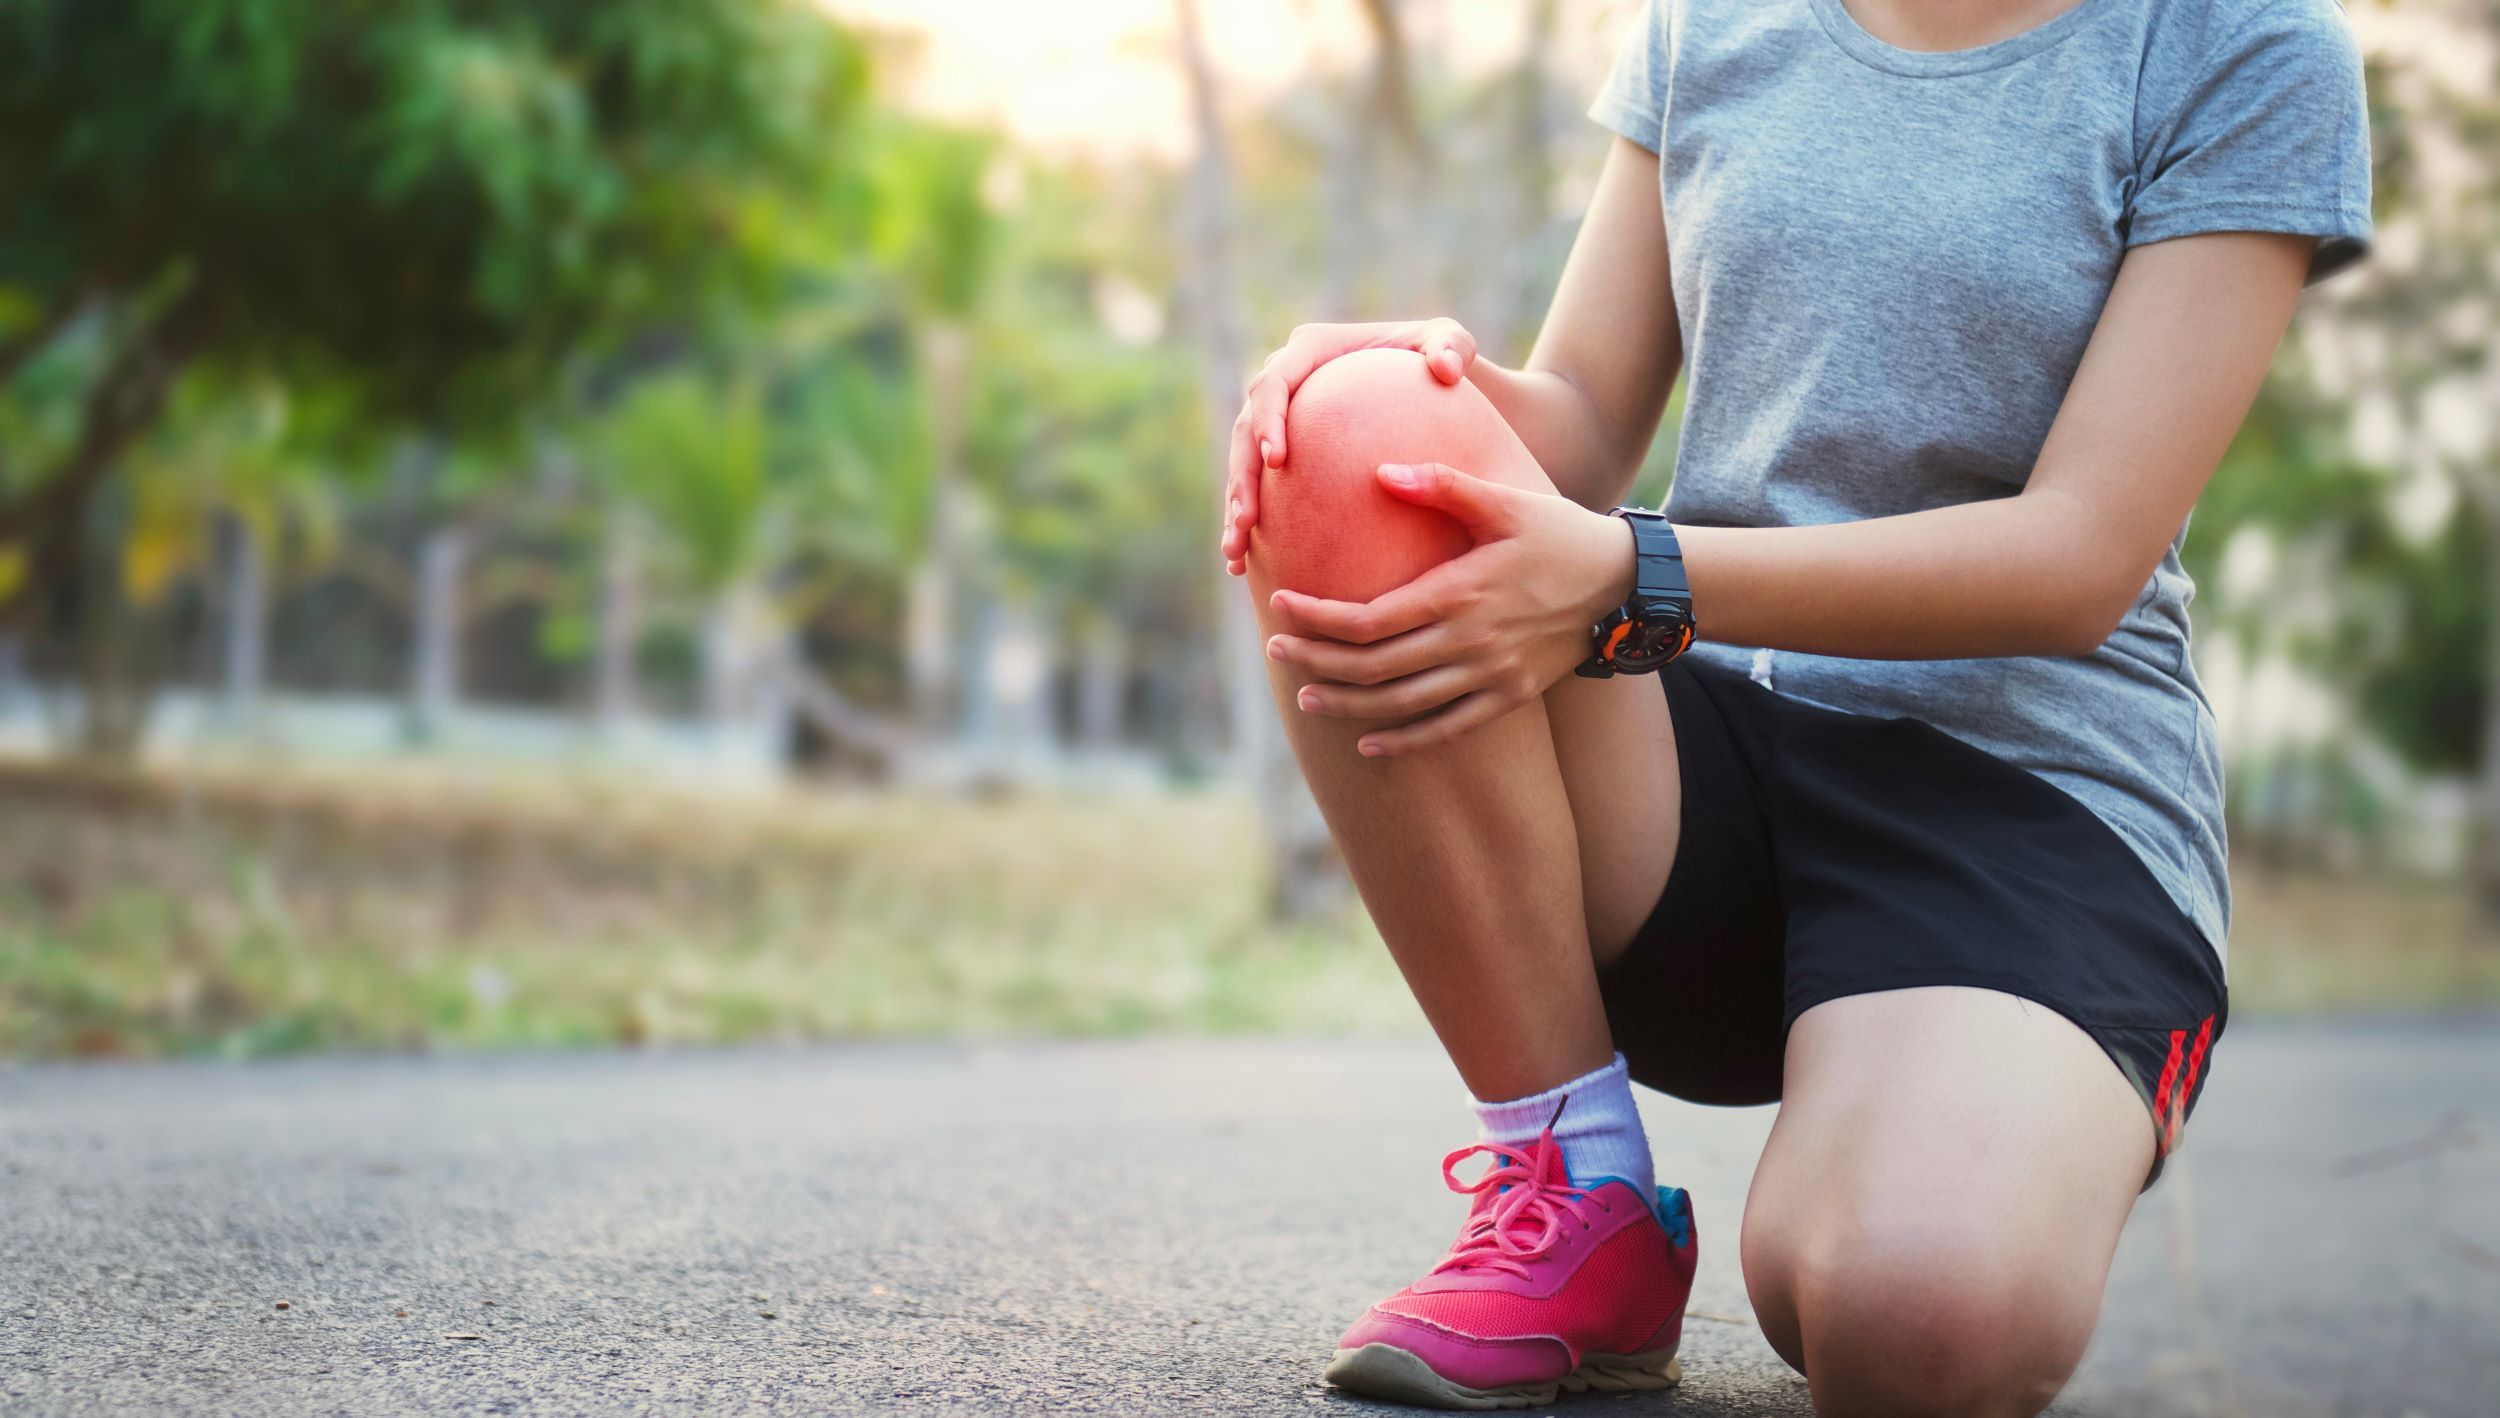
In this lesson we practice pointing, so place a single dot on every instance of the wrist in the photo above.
(1614, 565)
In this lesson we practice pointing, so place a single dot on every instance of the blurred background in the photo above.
(692, 520)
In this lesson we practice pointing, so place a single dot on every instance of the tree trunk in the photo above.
(1519, 300)
(1303, 880)
(244, 673)
(115, 663)
(50, 518)
(2486, 504)
(620, 626)
(1101, 684)
(22, 347)
(724, 661)
(13, 682)
(1399, 197)
(434, 676)
(933, 630)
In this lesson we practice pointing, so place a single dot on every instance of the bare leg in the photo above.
(1468, 855)
(1931, 1225)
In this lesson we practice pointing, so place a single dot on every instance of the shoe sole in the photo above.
(1387, 1372)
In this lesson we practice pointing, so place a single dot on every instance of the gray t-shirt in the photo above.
(1886, 265)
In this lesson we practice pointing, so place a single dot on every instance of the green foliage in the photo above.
(447, 199)
(927, 222)
(2427, 697)
(692, 456)
(2402, 620)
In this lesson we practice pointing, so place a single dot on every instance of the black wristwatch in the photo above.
(1656, 624)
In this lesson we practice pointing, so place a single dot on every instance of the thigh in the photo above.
(1680, 884)
(1957, 1154)
(1615, 741)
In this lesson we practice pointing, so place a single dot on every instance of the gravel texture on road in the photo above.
(1132, 1227)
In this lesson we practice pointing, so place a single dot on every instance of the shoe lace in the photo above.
(1528, 1213)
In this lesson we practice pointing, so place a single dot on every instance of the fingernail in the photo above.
(1267, 451)
(1232, 510)
(1399, 473)
(1370, 749)
(1276, 649)
(1307, 700)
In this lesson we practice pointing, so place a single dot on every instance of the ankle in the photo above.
(1594, 1119)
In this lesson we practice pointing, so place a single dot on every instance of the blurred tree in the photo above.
(693, 458)
(2398, 371)
(241, 480)
(1086, 443)
(1301, 858)
(440, 202)
(931, 233)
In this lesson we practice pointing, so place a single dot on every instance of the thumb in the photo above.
(1479, 506)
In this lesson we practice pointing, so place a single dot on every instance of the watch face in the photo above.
(1653, 638)
(1643, 647)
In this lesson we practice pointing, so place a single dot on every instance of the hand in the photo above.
(1473, 638)
(1259, 433)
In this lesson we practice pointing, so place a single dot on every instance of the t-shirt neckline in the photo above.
(1927, 64)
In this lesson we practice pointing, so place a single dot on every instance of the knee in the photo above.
(1325, 526)
(1891, 1313)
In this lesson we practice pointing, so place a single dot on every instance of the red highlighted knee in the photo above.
(1326, 527)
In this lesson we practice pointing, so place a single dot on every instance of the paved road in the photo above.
(1115, 1227)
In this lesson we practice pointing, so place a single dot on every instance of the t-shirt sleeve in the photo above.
(1634, 100)
(2273, 135)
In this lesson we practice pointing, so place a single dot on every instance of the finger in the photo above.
(1263, 403)
(1393, 658)
(1359, 622)
(1248, 516)
(1399, 698)
(1241, 458)
(1232, 533)
(1241, 481)
(1448, 349)
(1479, 708)
(1485, 509)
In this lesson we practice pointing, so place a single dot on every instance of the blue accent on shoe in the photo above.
(1673, 1206)
(1675, 1212)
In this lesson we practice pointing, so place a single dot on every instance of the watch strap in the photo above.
(1660, 591)
(1658, 558)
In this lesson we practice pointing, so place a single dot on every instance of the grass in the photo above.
(2306, 943)
(140, 917)
(250, 914)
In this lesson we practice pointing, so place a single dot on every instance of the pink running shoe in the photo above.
(1550, 1286)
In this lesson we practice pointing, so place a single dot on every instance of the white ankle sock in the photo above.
(1600, 1129)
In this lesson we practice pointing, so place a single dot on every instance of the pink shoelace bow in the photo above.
(1524, 1221)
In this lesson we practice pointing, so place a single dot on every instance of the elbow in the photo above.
(2084, 621)
(2099, 570)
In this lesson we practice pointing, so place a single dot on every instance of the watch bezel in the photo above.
(1661, 629)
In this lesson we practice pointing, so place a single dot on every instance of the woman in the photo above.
(1923, 838)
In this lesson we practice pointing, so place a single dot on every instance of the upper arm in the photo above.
(2172, 367)
(1611, 332)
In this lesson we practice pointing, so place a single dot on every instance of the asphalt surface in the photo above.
(1144, 1227)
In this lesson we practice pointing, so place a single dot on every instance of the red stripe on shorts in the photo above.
(2169, 1076)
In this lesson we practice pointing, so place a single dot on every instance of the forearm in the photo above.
(2025, 575)
(1590, 461)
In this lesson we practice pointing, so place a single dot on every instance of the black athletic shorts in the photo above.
(1825, 854)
